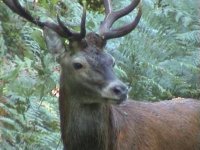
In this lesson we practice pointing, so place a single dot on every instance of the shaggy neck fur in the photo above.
(84, 126)
(87, 128)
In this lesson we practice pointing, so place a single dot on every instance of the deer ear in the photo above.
(54, 42)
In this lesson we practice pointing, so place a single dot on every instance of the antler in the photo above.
(111, 16)
(59, 28)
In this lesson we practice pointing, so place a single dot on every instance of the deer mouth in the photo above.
(115, 101)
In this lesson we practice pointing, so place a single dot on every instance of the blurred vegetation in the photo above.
(94, 5)
(159, 60)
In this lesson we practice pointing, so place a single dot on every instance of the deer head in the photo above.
(87, 70)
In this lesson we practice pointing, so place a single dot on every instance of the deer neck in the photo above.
(88, 127)
(84, 126)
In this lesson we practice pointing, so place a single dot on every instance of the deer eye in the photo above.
(77, 66)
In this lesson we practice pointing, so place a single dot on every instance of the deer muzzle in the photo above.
(115, 91)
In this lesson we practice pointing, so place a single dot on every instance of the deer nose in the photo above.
(121, 91)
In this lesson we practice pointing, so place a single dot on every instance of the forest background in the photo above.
(159, 60)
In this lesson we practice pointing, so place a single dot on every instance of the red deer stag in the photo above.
(94, 111)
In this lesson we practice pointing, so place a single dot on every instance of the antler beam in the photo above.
(59, 28)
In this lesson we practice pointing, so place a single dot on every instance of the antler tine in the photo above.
(119, 32)
(71, 34)
(83, 22)
(126, 10)
(107, 5)
(60, 28)
(112, 16)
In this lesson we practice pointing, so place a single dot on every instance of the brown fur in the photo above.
(167, 125)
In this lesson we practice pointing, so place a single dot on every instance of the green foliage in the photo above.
(95, 5)
(159, 60)
(161, 57)
(29, 117)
